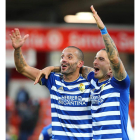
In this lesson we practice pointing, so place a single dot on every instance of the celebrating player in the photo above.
(70, 92)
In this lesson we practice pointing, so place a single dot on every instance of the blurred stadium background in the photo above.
(28, 106)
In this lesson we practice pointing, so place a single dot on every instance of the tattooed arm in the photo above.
(116, 64)
(85, 71)
(21, 65)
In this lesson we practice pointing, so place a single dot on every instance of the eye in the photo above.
(101, 58)
(69, 57)
(62, 56)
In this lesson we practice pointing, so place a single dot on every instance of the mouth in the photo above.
(96, 70)
(63, 66)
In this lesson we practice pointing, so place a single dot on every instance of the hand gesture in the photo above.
(45, 72)
(99, 22)
(17, 41)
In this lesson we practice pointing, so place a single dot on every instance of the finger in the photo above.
(11, 36)
(93, 10)
(25, 37)
(46, 76)
(37, 78)
(13, 33)
(17, 32)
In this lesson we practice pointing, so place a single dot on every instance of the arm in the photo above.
(46, 72)
(85, 71)
(20, 63)
(116, 64)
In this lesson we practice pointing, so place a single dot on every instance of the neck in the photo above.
(71, 77)
(104, 79)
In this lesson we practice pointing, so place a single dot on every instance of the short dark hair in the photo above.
(80, 53)
(103, 49)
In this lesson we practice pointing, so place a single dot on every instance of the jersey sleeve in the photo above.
(90, 76)
(124, 84)
(48, 82)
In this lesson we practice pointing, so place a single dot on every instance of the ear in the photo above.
(80, 64)
(110, 72)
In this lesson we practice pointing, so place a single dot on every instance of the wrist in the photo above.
(103, 31)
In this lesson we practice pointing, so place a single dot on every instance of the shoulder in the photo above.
(123, 84)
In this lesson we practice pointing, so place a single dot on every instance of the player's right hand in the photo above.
(17, 40)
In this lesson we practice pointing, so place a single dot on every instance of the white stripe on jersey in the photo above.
(112, 131)
(78, 126)
(71, 86)
(67, 108)
(111, 122)
(108, 104)
(115, 94)
(69, 117)
(107, 113)
(69, 92)
(61, 133)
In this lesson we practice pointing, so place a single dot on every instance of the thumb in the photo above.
(25, 37)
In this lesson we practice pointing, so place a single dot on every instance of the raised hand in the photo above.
(99, 22)
(17, 40)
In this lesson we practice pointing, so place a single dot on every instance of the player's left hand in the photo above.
(99, 22)
(45, 72)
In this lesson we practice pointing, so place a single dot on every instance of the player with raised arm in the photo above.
(110, 96)
(69, 92)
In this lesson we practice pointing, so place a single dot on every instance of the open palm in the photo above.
(17, 40)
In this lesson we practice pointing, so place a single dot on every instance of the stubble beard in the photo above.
(71, 69)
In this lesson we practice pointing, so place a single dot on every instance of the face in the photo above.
(101, 65)
(69, 61)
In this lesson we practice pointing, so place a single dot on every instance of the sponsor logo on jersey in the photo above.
(71, 100)
(96, 99)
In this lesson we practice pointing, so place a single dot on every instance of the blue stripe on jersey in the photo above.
(72, 113)
(73, 130)
(105, 109)
(107, 127)
(70, 138)
(107, 136)
(75, 122)
(70, 108)
(114, 117)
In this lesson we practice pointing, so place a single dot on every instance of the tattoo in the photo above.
(85, 71)
(20, 58)
(112, 52)
(110, 46)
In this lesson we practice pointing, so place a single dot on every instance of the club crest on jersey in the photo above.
(102, 86)
(81, 87)
(61, 88)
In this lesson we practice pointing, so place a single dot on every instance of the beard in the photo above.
(71, 68)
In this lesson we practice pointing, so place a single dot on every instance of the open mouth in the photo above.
(96, 69)
(63, 66)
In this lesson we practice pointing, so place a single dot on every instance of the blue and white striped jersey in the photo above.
(109, 107)
(70, 108)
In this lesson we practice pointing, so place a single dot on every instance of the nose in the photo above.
(63, 60)
(95, 62)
